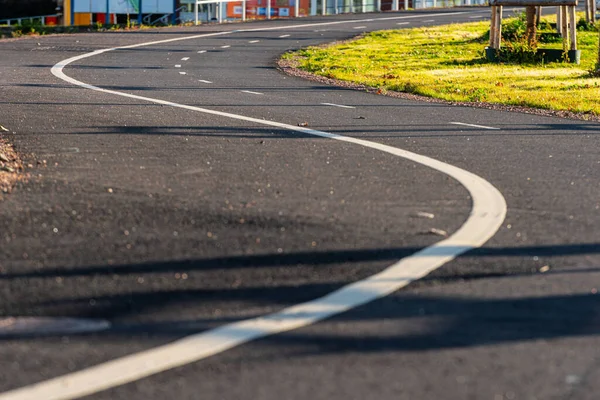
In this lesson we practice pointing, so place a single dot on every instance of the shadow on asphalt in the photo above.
(370, 131)
(456, 322)
(188, 88)
(317, 258)
(459, 321)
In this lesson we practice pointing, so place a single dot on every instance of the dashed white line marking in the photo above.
(254, 41)
(226, 46)
(283, 36)
(476, 16)
(402, 23)
(359, 27)
(201, 51)
(475, 126)
(429, 20)
(183, 73)
(177, 65)
(486, 217)
(204, 81)
(185, 58)
(251, 92)
(337, 105)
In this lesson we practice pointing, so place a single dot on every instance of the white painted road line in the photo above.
(429, 20)
(226, 46)
(185, 58)
(402, 23)
(203, 81)
(284, 36)
(251, 92)
(183, 73)
(359, 27)
(336, 105)
(475, 126)
(177, 65)
(201, 51)
(487, 214)
(477, 16)
(254, 41)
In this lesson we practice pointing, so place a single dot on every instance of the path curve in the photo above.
(487, 214)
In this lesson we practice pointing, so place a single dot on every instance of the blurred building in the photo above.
(26, 8)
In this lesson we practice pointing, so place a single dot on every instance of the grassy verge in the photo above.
(448, 63)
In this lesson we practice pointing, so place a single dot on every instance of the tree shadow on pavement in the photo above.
(412, 322)
(456, 320)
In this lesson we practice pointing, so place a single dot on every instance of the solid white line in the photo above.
(251, 92)
(226, 46)
(254, 41)
(283, 36)
(475, 126)
(202, 51)
(203, 81)
(185, 58)
(359, 27)
(337, 105)
(487, 214)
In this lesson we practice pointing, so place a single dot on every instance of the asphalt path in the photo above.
(168, 222)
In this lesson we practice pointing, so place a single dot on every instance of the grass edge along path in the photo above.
(446, 63)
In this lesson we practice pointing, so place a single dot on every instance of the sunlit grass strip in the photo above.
(447, 62)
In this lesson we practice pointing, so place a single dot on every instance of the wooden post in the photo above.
(588, 5)
(538, 14)
(564, 26)
(493, 28)
(559, 20)
(594, 10)
(531, 26)
(598, 61)
(498, 27)
(573, 27)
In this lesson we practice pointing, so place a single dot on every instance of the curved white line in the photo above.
(486, 217)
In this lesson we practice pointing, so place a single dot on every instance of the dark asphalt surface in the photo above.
(168, 222)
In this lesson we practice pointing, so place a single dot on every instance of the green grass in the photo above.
(448, 62)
